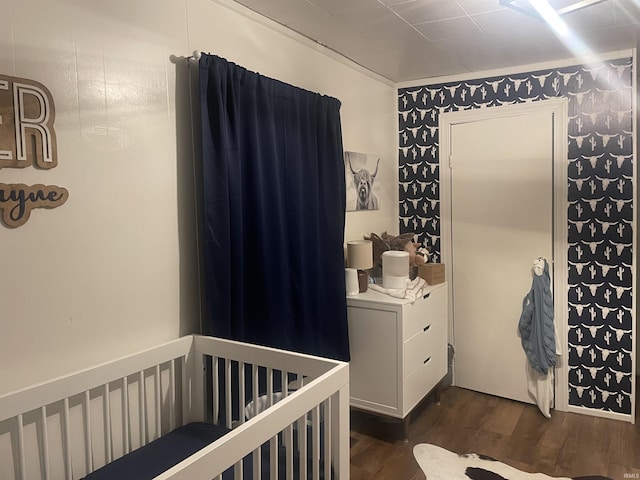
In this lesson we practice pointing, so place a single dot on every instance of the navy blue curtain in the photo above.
(274, 212)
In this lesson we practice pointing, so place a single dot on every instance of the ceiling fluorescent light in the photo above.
(560, 7)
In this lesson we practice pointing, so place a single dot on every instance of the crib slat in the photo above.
(158, 405)
(326, 405)
(141, 408)
(87, 432)
(185, 389)
(215, 401)
(45, 442)
(255, 386)
(269, 387)
(21, 459)
(288, 432)
(126, 429)
(273, 457)
(273, 442)
(242, 396)
(66, 441)
(239, 467)
(284, 379)
(256, 464)
(107, 424)
(255, 371)
(172, 395)
(315, 442)
(227, 386)
(302, 445)
(237, 470)
(288, 442)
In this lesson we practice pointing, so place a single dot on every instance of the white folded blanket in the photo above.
(411, 292)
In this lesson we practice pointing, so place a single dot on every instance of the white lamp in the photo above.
(360, 257)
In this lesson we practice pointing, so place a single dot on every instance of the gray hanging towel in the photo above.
(536, 323)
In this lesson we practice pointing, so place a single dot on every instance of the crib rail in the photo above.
(246, 438)
(296, 391)
(51, 391)
(73, 424)
(283, 402)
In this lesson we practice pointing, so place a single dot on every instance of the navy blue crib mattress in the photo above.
(160, 455)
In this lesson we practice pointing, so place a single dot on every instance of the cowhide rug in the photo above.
(440, 464)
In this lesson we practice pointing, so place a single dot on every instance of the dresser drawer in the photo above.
(419, 314)
(431, 341)
(420, 382)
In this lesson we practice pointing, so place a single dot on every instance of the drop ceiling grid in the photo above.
(404, 40)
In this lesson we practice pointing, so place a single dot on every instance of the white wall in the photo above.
(113, 270)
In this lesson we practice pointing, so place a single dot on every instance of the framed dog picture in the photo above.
(361, 176)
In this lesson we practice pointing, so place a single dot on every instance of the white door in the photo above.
(501, 220)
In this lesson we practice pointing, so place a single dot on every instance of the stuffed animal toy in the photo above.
(418, 255)
(424, 253)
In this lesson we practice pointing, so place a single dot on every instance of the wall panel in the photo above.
(601, 176)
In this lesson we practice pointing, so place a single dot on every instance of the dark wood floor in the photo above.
(567, 444)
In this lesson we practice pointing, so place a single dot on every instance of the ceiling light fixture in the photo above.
(549, 11)
(560, 7)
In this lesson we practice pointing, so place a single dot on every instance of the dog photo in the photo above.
(361, 175)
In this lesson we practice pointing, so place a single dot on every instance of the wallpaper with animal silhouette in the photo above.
(601, 209)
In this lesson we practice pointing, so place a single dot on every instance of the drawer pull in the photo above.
(428, 358)
(426, 328)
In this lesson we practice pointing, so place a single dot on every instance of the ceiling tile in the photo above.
(472, 39)
(342, 7)
(251, 3)
(462, 27)
(506, 26)
(420, 11)
(281, 11)
(472, 7)
(375, 22)
(415, 66)
(595, 16)
(404, 38)
(484, 59)
(542, 50)
(614, 38)
(627, 12)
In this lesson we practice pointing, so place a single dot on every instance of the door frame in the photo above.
(558, 107)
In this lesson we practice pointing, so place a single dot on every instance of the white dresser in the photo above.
(398, 350)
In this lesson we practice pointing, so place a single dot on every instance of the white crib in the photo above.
(71, 426)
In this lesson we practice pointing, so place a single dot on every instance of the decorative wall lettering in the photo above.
(17, 201)
(27, 138)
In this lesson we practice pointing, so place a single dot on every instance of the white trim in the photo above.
(635, 355)
(501, 72)
(598, 413)
(559, 108)
(292, 34)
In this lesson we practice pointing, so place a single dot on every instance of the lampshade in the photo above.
(360, 254)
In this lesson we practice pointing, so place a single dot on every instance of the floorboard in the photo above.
(567, 444)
